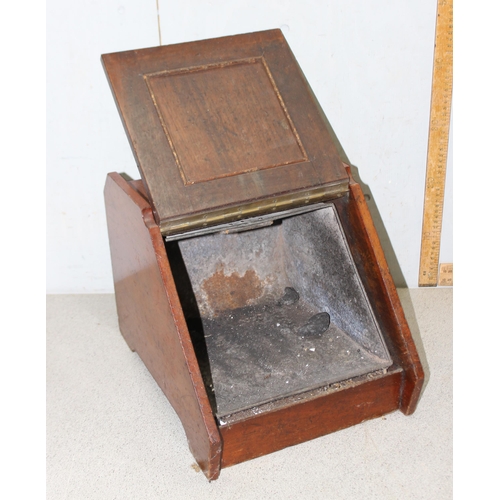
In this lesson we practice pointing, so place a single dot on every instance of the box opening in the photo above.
(275, 311)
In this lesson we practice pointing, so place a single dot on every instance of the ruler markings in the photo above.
(437, 154)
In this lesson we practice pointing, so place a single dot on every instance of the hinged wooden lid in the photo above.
(224, 129)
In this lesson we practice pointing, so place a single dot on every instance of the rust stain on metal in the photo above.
(232, 291)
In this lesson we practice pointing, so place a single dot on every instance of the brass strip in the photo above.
(275, 204)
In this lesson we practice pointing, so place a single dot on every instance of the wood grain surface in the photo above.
(437, 153)
(220, 124)
(309, 419)
(151, 319)
(379, 286)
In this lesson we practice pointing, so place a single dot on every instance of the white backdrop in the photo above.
(368, 62)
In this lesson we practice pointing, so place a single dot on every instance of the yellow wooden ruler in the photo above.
(437, 153)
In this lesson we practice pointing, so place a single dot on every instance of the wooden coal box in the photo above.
(248, 273)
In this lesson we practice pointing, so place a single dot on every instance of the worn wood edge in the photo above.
(138, 185)
(118, 180)
(305, 396)
(307, 420)
(108, 61)
(211, 464)
(264, 36)
(414, 373)
(128, 188)
(213, 469)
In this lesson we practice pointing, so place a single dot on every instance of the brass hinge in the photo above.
(256, 212)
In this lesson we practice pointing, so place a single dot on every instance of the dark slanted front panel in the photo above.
(223, 129)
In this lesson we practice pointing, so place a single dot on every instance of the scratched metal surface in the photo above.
(248, 344)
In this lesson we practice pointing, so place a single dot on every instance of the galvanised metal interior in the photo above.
(251, 341)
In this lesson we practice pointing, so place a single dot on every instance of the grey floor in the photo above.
(111, 433)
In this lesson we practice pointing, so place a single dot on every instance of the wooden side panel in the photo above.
(374, 272)
(269, 432)
(151, 318)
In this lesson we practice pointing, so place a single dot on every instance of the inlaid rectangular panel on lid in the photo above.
(224, 129)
